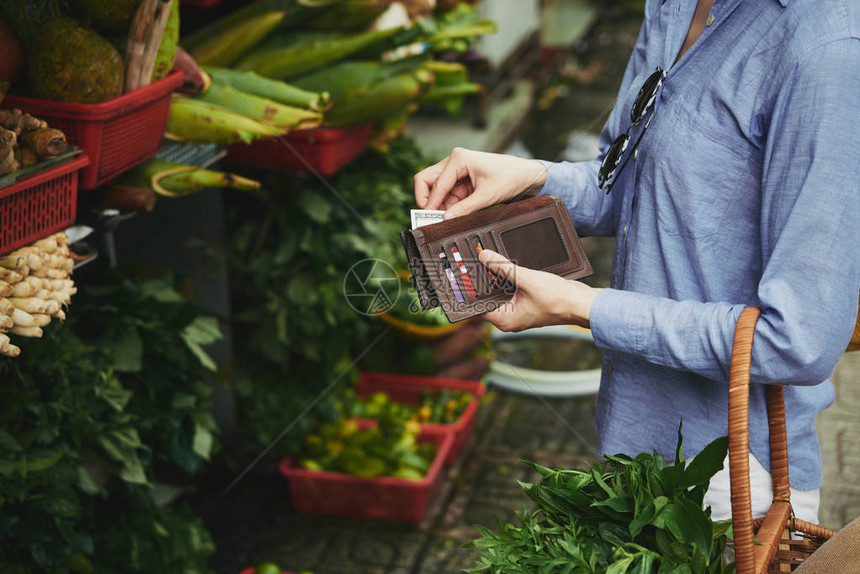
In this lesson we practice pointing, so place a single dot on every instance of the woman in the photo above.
(730, 177)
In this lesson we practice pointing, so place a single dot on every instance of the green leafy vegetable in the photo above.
(83, 424)
(628, 514)
(295, 332)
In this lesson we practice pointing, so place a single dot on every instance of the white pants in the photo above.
(718, 496)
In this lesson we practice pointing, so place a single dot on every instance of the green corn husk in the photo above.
(457, 28)
(441, 93)
(346, 79)
(447, 73)
(195, 121)
(450, 97)
(284, 118)
(481, 28)
(460, 25)
(405, 37)
(226, 48)
(276, 43)
(295, 12)
(450, 87)
(176, 179)
(304, 57)
(349, 16)
(379, 101)
(276, 90)
(343, 79)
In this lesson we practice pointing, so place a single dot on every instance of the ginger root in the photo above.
(8, 163)
(19, 122)
(7, 139)
(25, 140)
(45, 142)
(25, 156)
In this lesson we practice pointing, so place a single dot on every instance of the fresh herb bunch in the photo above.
(64, 433)
(294, 329)
(155, 340)
(136, 536)
(627, 514)
(71, 454)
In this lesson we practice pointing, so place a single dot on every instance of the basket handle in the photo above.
(746, 552)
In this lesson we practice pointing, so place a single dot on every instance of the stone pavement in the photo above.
(255, 521)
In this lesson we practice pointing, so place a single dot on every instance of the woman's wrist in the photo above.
(576, 309)
(535, 178)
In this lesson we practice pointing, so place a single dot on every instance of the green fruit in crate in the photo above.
(108, 15)
(314, 445)
(408, 473)
(73, 64)
(268, 568)
(169, 41)
(310, 464)
(364, 467)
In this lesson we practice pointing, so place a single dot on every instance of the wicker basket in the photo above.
(854, 345)
(776, 551)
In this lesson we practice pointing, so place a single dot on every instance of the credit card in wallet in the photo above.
(422, 217)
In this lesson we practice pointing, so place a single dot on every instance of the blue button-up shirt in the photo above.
(745, 191)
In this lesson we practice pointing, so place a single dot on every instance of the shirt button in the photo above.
(624, 231)
(609, 368)
(710, 20)
(636, 154)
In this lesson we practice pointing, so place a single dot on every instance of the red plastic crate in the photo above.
(117, 134)
(323, 150)
(379, 498)
(407, 389)
(39, 205)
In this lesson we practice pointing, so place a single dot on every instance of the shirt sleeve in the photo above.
(810, 242)
(590, 207)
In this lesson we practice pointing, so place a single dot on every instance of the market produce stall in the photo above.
(91, 92)
(198, 373)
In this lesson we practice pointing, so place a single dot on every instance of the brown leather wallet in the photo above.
(535, 233)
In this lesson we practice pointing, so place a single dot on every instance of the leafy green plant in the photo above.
(65, 431)
(155, 340)
(81, 426)
(144, 538)
(628, 514)
(295, 332)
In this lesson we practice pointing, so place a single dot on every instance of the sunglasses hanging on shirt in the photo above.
(642, 105)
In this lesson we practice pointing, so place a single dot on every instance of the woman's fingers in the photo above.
(465, 206)
(459, 192)
(424, 181)
(499, 265)
(454, 170)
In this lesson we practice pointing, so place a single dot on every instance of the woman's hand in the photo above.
(541, 298)
(467, 181)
